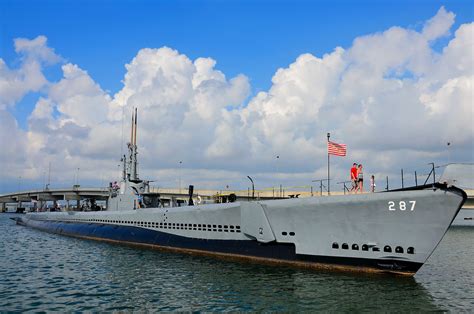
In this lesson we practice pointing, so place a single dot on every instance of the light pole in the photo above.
(19, 183)
(77, 176)
(253, 187)
(277, 169)
(179, 176)
(49, 173)
(448, 144)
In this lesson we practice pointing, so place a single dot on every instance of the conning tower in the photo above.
(132, 193)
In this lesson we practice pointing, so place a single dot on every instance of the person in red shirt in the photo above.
(354, 177)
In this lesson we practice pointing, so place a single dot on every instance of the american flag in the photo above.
(336, 149)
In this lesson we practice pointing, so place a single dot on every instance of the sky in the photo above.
(226, 86)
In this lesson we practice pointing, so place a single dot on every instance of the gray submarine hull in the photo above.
(394, 231)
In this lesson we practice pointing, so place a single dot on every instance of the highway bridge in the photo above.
(77, 196)
(39, 198)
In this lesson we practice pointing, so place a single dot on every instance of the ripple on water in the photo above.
(47, 272)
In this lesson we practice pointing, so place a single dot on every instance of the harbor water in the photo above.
(47, 272)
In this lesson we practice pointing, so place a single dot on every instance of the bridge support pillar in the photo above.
(2, 207)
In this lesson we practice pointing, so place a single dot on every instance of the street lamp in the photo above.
(277, 170)
(179, 175)
(44, 179)
(77, 176)
(276, 164)
(253, 187)
(448, 144)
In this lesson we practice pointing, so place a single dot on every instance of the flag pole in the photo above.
(329, 182)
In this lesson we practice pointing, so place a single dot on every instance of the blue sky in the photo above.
(250, 37)
(404, 67)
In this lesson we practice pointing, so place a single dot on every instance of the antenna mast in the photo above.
(133, 148)
(131, 135)
(135, 131)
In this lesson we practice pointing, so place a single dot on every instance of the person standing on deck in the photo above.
(360, 179)
(354, 177)
(372, 184)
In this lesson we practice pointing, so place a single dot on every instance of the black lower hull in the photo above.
(281, 253)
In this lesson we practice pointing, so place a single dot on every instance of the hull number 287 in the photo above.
(402, 205)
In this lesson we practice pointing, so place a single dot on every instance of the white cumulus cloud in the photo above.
(390, 96)
(16, 83)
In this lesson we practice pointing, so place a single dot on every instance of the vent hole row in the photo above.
(284, 233)
(169, 225)
(365, 247)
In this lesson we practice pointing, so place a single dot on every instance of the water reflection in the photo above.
(46, 272)
(201, 283)
(449, 272)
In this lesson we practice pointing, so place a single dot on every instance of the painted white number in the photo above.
(391, 205)
(402, 205)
